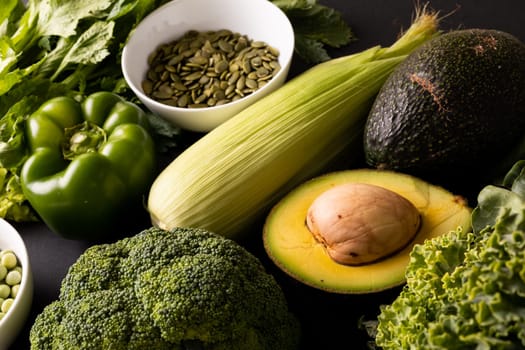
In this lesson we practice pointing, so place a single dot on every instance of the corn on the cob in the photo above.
(229, 177)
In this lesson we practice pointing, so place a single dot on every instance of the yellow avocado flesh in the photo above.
(293, 248)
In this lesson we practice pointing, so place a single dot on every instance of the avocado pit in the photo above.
(360, 223)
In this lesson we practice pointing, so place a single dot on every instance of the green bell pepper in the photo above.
(89, 163)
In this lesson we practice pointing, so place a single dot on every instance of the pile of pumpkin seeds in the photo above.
(206, 69)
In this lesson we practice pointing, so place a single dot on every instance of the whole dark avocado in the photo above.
(455, 106)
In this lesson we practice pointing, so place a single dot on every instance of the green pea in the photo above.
(9, 260)
(3, 272)
(6, 305)
(5, 290)
(14, 290)
(13, 277)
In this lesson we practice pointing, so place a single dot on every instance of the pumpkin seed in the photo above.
(205, 79)
(229, 90)
(225, 46)
(171, 69)
(165, 75)
(258, 44)
(161, 94)
(152, 75)
(198, 105)
(204, 69)
(240, 82)
(193, 76)
(274, 51)
(250, 83)
(223, 85)
(222, 102)
(175, 60)
(221, 66)
(198, 60)
(147, 86)
(246, 66)
(183, 100)
(256, 62)
(201, 99)
(177, 85)
(234, 77)
(262, 72)
(170, 102)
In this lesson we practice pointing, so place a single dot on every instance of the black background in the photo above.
(328, 320)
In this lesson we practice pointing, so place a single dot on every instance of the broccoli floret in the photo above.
(181, 289)
(98, 268)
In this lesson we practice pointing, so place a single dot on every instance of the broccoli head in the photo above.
(180, 289)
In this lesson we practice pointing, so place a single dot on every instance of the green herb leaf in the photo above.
(310, 50)
(8, 56)
(13, 204)
(12, 147)
(315, 26)
(61, 18)
(89, 48)
(8, 6)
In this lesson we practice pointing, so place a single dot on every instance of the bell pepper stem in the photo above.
(83, 138)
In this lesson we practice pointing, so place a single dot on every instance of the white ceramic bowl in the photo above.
(260, 20)
(12, 323)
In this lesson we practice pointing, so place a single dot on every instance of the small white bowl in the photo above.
(15, 318)
(260, 20)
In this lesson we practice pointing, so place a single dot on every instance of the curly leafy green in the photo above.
(466, 290)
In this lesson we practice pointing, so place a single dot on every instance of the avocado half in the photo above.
(293, 248)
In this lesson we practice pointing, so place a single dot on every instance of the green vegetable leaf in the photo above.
(120, 8)
(315, 26)
(6, 9)
(7, 54)
(8, 12)
(165, 134)
(466, 290)
(12, 147)
(89, 48)
(310, 50)
(494, 202)
(515, 178)
(287, 5)
(137, 8)
(13, 204)
(61, 18)
(323, 24)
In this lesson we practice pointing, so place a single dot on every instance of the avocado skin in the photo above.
(454, 106)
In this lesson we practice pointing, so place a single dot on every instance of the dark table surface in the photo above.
(373, 22)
